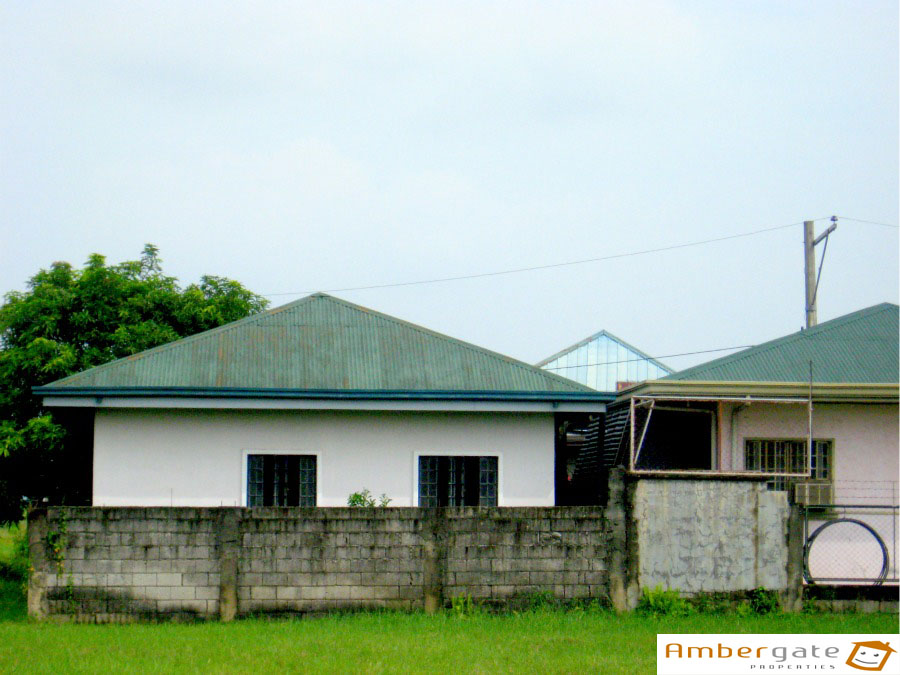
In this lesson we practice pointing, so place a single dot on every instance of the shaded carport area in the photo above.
(682, 434)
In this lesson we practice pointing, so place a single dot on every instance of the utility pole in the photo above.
(811, 276)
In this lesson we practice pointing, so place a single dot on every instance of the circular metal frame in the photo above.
(809, 542)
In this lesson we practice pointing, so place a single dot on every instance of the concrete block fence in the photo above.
(119, 564)
(122, 564)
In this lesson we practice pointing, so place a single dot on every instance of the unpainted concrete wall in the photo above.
(710, 535)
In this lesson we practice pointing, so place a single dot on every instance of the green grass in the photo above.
(541, 641)
(8, 539)
(12, 601)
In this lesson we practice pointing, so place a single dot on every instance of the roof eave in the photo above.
(860, 392)
(323, 394)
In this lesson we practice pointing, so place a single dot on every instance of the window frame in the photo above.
(783, 481)
(453, 453)
(245, 465)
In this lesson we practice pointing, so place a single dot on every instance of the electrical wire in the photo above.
(584, 261)
(647, 358)
(549, 266)
(870, 222)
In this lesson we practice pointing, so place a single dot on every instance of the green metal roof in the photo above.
(856, 348)
(322, 344)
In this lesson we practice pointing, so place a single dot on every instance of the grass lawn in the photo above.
(7, 539)
(542, 641)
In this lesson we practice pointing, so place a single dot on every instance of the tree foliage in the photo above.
(72, 319)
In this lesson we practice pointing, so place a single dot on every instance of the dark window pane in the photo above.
(281, 480)
(255, 480)
(428, 482)
(487, 481)
(457, 481)
(306, 480)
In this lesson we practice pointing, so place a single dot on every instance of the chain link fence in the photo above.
(854, 542)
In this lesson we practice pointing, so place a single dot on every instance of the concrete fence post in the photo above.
(792, 597)
(633, 541)
(37, 548)
(433, 560)
(617, 543)
(228, 547)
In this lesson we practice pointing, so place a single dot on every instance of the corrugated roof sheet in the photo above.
(861, 347)
(322, 343)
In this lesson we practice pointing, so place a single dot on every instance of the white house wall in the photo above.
(199, 457)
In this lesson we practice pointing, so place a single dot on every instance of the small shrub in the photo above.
(540, 602)
(660, 602)
(763, 601)
(463, 606)
(818, 599)
(713, 603)
(366, 499)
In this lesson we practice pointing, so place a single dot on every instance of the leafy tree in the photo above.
(69, 320)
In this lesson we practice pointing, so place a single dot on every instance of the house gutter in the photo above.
(325, 394)
(821, 392)
(300, 399)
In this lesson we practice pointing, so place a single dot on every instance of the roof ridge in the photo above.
(765, 347)
(196, 337)
(456, 341)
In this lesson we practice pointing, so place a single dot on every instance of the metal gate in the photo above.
(850, 544)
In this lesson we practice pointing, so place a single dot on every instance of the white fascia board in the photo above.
(316, 404)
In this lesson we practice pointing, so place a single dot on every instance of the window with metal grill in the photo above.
(457, 481)
(281, 480)
(788, 456)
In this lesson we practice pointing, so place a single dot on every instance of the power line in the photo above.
(870, 222)
(664, 356)
(545, 267)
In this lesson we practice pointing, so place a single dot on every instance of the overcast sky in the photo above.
(314, 146)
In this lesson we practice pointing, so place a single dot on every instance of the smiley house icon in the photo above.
(870, 655)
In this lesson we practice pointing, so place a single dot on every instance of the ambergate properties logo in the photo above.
(678, 654)
(870, 655)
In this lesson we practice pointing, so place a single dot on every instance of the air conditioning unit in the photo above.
(814, 492)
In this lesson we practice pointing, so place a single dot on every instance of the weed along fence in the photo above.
(120, 564)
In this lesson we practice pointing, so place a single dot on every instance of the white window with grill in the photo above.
(790, 456)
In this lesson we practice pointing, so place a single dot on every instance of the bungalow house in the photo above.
(754, 413)
(320, 398)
